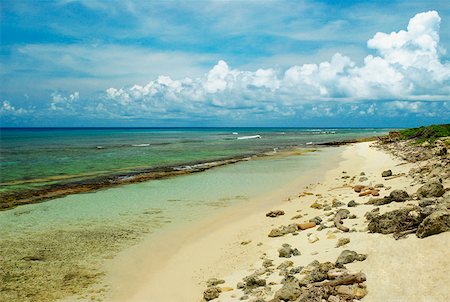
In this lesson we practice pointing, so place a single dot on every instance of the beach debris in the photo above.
(214, 282)
(386, 173)
(245, 242)
(342, 241)
(306, 225)
(316, 205)
(297, 216)
(352, 204)
(341, 214)
(372, 192)
(211, 293)
(336, 203)
(348, 256)
(286, 251)
(435, 223)
(312, 238)
(317, 220)
(283, 230)
(275, 213)
(432, 188)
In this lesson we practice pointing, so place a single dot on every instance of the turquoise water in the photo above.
(72, 237)
(31, 158)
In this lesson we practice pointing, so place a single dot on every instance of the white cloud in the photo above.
(407, 67)
(59, 102)
(7, 108)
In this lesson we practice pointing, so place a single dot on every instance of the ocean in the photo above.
(57, 248)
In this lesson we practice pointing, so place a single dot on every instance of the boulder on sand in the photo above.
(437, 222)
(432, 188)
(386, 173)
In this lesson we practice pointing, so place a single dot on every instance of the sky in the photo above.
(129, 63)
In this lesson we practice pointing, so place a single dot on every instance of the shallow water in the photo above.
(56, 248)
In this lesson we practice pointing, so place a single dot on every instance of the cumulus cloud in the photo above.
(60, 102)
(407, 66)
(7, 108)
(404, 72)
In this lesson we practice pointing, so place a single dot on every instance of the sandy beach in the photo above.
(235, 244)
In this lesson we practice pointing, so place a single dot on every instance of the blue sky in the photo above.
(224, 63)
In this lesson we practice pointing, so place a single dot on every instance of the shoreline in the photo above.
(9, 200)
(234, 246)
(13, 199)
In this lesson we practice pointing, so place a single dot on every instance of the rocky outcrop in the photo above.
(396, 221)
(348, 256)
(275, 213)
(432, 188)
(435, 223)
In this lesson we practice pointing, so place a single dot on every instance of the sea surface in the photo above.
(38, 157)
(58, 248)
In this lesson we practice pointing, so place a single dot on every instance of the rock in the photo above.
(283, 230)
(348, 256)
(252, 282)
(313, 294)
(342, 241)
(362, 174)
(290, 291)
(378, 186)
(396, 221)
(316, 205)
(285, 264)
(358, 188)
(433, 188)
(398, 195)
(286, 251)
(275, 213)
(312, 238)
(240, 285)
(306, 225)
(372, 214)
(379, 201)
(211, 293)
(336, 204)
(362, 179)
(297, 216)
(352, 204)
(214, 282)
(327, 208)
(386, 173)
(441, 151)
(267, 263)
(317, 220)
(427, 202)
(245, 242)
(437, 222)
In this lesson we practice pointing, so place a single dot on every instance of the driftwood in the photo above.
(341, 187)
(400, 235)
(338, 221)
(346, 280)
(394, 176)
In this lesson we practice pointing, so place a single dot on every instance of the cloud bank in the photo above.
(403, 73)
(406, 66)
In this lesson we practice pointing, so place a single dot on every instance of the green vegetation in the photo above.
(428, 133)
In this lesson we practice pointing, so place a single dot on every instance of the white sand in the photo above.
(409, 269)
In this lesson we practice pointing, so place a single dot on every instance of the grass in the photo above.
(428, 133)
